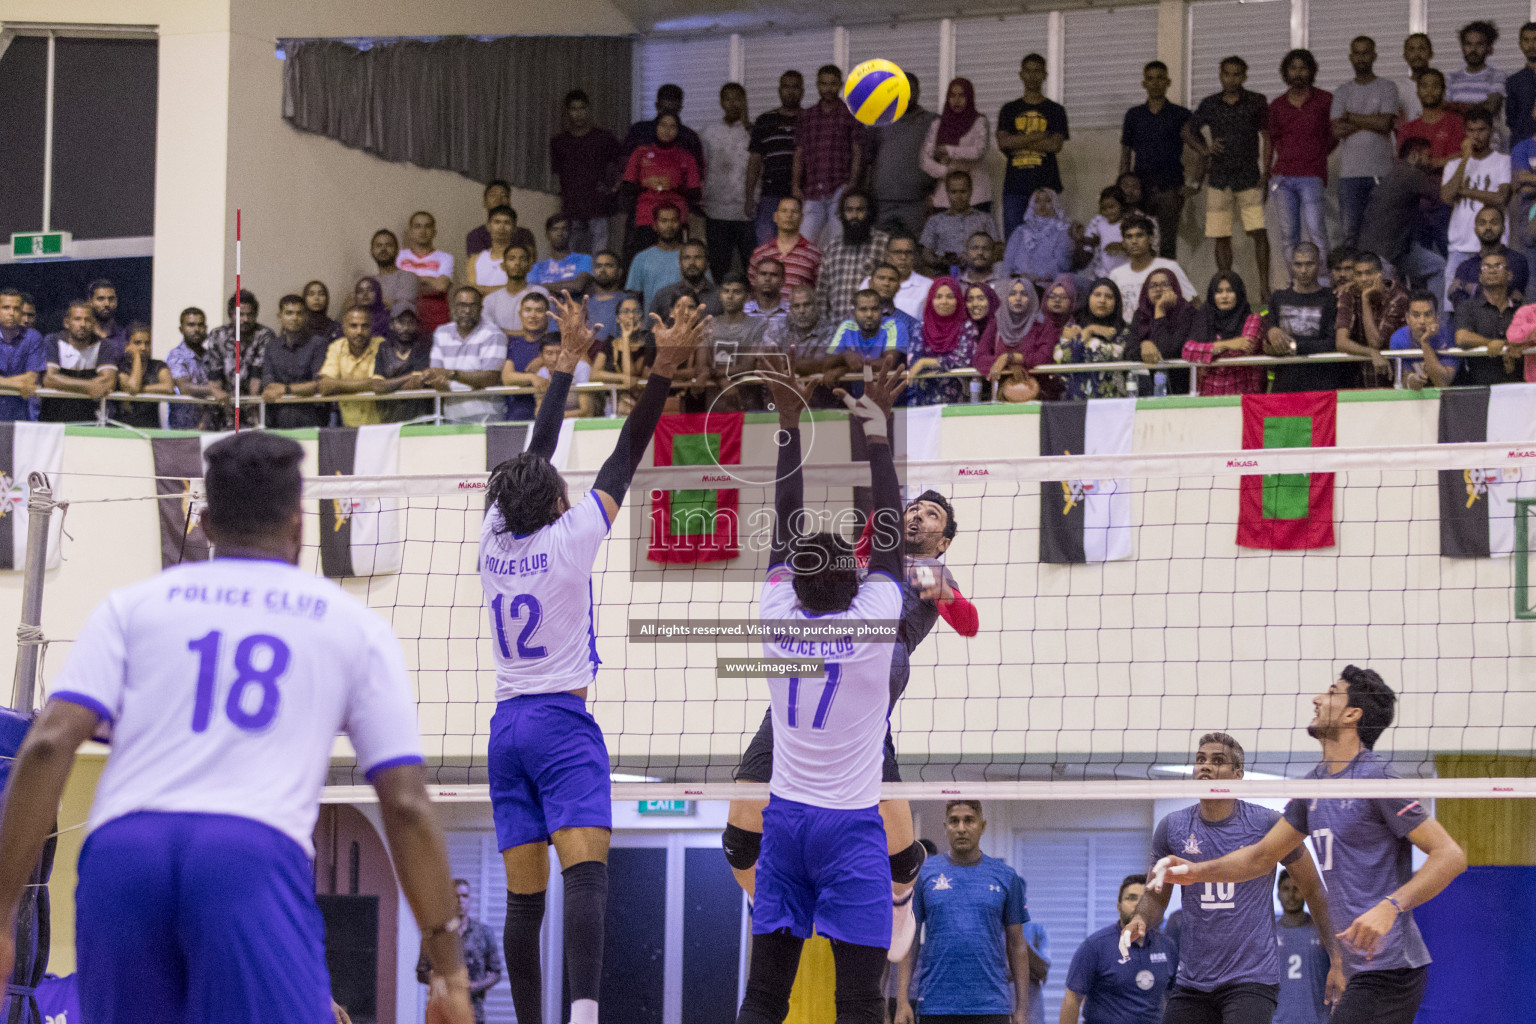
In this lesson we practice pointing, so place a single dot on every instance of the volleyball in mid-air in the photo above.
(877, 92)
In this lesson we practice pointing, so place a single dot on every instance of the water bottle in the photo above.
(1132, 384)
(1160, 384)
(975, 390)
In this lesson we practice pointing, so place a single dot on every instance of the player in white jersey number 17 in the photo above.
(547, 761)
(224, 684)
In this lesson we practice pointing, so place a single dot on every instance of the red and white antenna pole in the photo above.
(237, 319)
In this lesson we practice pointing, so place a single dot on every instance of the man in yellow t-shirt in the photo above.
(348, 368)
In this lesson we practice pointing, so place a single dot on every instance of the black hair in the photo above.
(497, 183)
(576, 95)
(527, 491)
(791, 73)
(100, 282)
(1424, 295)
(1369, 258)
(471, 289)
(734, 277)
(539, 297)
(1153, 65)
(1412, 145)
(830, 69)
(1305, 56)
(979, 234)
(1375, 699)
(290, 300)
(1285, 876)
(974, 805)
(868, 291)
(1127, 882)
(1477, 115)
(27, 299)
(1136, 220)
(1487, 29)
(188, 312)
(1232, 746)
(958, 173)
(1436, 72)
(604, 252)
(826, 572)
(555, 218)
(732, 87)
(869, 200)
(670, 91)
(137, 327)
(943, 503)
(1529, 26)
(385, 231)
(1340, 255)
(1112, 192)
(503, 208)
(769, 259)
(253, 484)
(1032, 58)
(522, 246)
(246, 299)
(664, 206)
(1236, 62)
(694, 243)
(10, 291)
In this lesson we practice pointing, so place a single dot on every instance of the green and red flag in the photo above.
(696, 525)
(1287, 511)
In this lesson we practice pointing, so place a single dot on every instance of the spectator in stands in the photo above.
(1136, 235)
(1301, 321)
(1041, 247)
(1237, 159)
(395, 285)
(1126, 990)
(497, 195)
(886, 283)
(851, 256)
(139, 373)
(1097, 334)
(1152, 145)
(1484, 322)
(1135, 205)
(402, 364)
(829, 157)
(660, 173)
(1101, 239)
(22, 363)
(1030, 131)
(1301, 137)
(432, 265)
(669, 100)
(562, 270)
(1443, 129)
(28, 311)
(1418, 51)
(771, 160)
(78, 361)
(948, 343)
(604, 296)
(1521, 211)
(653, 269)
(945, 234)
(317, 310)
(801, 259)
(1422, 332)
(957, 140)
(1521, 337)
(1479, 85)
(469, 352)
(731, 230)
(503, 307)
(1364, 112)
(1341, 268)
(912, 288)
(525, 346)
(1022, 336)
(291, 366)
(1489, 227)
(768, 290)
(629, 355)
(902, 185)
(693, 263)
(1520, 90)
(366, 295)
(1393, 217)
(731, 340)
(577, 403)
(103, 295)
(254, 339)
(1226, 327)
(350, 368)
(805, 333)
(1164, 320)
(485, 267)
(1369, 311)
(1481, 177)
(979, 263)
(587, 159)
(872, 337)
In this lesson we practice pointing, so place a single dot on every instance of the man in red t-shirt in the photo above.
(1441, 128)
(1301, 137)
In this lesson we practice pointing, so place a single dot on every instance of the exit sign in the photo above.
(39, 244)
(666, 808)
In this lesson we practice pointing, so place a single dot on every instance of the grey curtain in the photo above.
(483, 109)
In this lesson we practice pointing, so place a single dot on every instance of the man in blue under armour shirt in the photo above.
(1109, 988)
(1228, 966)
(975, 964)
(1303, 960)
(1364, 847)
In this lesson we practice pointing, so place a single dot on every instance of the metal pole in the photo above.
(48, 137)
(29, 649)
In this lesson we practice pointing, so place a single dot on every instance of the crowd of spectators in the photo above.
(818, 245)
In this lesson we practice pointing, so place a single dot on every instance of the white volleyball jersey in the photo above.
(538, 592)
(225, 683)
(829, 733)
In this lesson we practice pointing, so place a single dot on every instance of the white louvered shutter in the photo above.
(1331, 28)
(1105, 52)
(473, 857)
(1447, 16)
(770, 55)
(699, 66)
(912, 46)
(1260, 33)
(988, 52)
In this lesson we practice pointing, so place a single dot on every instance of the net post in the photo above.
(40, 506)
(1523, 558)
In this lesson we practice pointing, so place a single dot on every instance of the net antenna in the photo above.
(30, 640)
(237, 319)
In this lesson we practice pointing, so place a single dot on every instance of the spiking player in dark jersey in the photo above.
(548, 763)
(1365, 849)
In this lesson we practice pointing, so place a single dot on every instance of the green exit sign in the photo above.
(39, 244)
(666, 808)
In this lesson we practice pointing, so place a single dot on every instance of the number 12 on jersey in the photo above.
(516, 609)
(823, 706)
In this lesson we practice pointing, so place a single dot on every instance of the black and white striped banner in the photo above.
(361, 536)
(27, 448)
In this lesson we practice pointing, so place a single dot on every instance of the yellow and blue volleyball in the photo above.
(877, 92)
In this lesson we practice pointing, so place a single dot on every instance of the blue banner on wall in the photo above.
(1479, 932)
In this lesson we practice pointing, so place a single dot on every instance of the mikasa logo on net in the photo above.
(1521, 453)
(972, 471)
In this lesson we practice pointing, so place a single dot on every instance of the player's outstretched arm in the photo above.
(1309, 883)
(1445, 859)
(1237, 866)
(873, 410)
(790, 397)
(673, 346)
(575, 342)
(32, 805)
(420, 855)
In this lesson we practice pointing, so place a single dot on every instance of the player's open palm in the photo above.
(677, 342)
(790, 395)
(575, 335)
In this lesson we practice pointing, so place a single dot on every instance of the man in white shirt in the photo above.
(1136, 236)
(901, 253)
(728, 233)
(503, 307)
(1479, 177)
(467, 354)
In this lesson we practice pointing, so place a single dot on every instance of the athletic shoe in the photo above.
(903, 927)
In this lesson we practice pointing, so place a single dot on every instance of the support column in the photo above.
(946, 62)
(1056, 56)
(1172, 23)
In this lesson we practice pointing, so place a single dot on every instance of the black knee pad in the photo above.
(741, 846)
(906, 864)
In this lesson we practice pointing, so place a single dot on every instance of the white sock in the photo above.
(584, 1011)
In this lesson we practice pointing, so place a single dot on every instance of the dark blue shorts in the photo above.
(198, 917)
(548, 769)
(823, 867)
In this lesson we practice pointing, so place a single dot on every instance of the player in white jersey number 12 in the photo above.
(547, 761)
(223, 684)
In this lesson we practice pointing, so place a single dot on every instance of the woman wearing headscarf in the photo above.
(657, 174)
(1226, 327)
(948, 343)
(1044, 334)
(957, 141)
(1041, 247)
(1163, 322)
(1001, 355)
(1097, 334)
(367, 294)
(317, 311)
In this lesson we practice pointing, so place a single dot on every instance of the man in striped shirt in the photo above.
(801, 259)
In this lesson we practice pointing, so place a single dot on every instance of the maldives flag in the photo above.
(700, 525)
(1287, 511)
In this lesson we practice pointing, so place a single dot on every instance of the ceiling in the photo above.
(708, 17)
